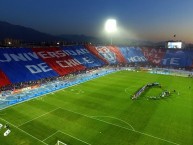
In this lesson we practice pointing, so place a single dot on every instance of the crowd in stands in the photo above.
(40, 82)
(66, 77)
(137, 65)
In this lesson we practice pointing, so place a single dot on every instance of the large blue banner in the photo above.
(22, 64)
(81, 54)
(191, 57)
(133, 54)
(177, 58)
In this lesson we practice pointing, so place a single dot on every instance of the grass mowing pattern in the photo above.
(100, 112)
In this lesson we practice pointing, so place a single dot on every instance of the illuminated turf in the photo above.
(100, 112)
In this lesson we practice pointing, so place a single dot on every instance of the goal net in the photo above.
(60, 143)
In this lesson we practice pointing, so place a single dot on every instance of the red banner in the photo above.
(3, 79)
(153, 55)
(120, 58)
(58, 60)
(93, 50)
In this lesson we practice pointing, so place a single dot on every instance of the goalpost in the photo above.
(60, 143)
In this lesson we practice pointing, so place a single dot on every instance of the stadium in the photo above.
(96, 95)
(97, 72)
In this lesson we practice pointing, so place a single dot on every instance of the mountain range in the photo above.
(26, 34)
(22, 33)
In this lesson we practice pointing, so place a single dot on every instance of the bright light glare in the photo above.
(111, 25)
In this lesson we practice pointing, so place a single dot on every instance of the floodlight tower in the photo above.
(111, 27)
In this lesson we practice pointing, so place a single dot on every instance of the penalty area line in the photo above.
(38, 117)
(171, 142)
(24, 131)
(67, 135)
(75, 138)
(50, 136)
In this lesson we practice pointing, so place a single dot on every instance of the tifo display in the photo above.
(40, 63)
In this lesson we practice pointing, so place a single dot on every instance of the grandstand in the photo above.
(38, 63)
(27, 73)
(25, 69)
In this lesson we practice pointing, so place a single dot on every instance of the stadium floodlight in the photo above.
(111, 26)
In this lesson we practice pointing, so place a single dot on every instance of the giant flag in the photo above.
(81, 54)
(154, 55)
(3, 79)
(133, 54)
(59, 60)
(22, 64)
(93, 50)
(177, 58)
(107, 54)
(120, 58)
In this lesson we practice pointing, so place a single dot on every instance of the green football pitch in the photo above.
(101, 112)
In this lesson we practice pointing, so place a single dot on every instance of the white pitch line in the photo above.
(156, 137)
(75, 138)
(24, 131)
(123, 127)
(50, 136)
(115, 119)
(67, 135)
(38, 117)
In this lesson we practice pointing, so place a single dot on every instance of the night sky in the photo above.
(156, 20)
